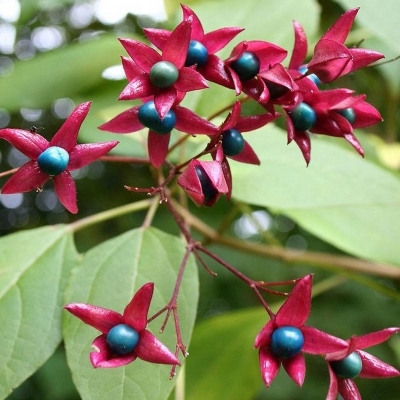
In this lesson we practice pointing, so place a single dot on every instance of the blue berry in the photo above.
(53, 160)
(163, 74)
(207, 187)
(312, 77)
(197, 54)
(247, 66)
(286, 341)
(149, 117)
(232, 142)
(349, 114)
(303, 117)
(348, 368)
(122, 339)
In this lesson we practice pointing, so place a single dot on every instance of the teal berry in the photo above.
(303, 117)
(348, 368)
(349, 114)
(149, 117)
(247, 66)
(197, 54)
(312, 77)
(286, 342)
(122, 339)
(232, 142)
(207, 187)
(163, 74)
(53, 160)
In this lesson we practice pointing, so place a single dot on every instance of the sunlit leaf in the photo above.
(109, 275)
(34, 267)
(341, 198)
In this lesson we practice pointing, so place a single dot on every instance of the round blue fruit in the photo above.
(122, 339)
(232, 142)
(312, 77)
(53, 160)
(348, 368)
(163, 74)
(149, 117)
(303, 117)
(286, 342)
(247, 66)
(197, 54)
(349, 114)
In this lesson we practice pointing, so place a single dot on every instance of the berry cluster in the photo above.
(187, 61)
(159, 77)
(285, 338)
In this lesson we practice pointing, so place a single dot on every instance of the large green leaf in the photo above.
(109, 275)
(222, 362)
(341, 198)
(34, 266)
(64, 72)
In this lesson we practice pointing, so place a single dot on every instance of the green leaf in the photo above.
(341, 198)
(34, 267)
(108, 277)
(64, 72)
(223, 363)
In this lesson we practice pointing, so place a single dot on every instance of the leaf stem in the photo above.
(109, 214)
(9, 172)
(325, 260)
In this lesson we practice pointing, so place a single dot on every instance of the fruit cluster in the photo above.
(186, 60)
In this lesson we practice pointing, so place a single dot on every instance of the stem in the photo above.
(180, 385)
(325, 260)
(109, 214)
(9, 172)
(151, 212)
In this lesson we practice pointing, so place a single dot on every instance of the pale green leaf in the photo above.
(341, 198)
(108, 277)
(34, 267)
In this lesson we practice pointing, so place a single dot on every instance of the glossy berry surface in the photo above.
(197, 54)
(303, 117)
(247, 66)
(349, 114)
(232, 142)
(207, 187)
(53, 160)
(122, 339)
(149, 117)
(286, 341)
(348, 368)
(312, 77)
(163, 74)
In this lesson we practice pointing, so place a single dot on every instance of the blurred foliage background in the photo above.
(56, 54)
